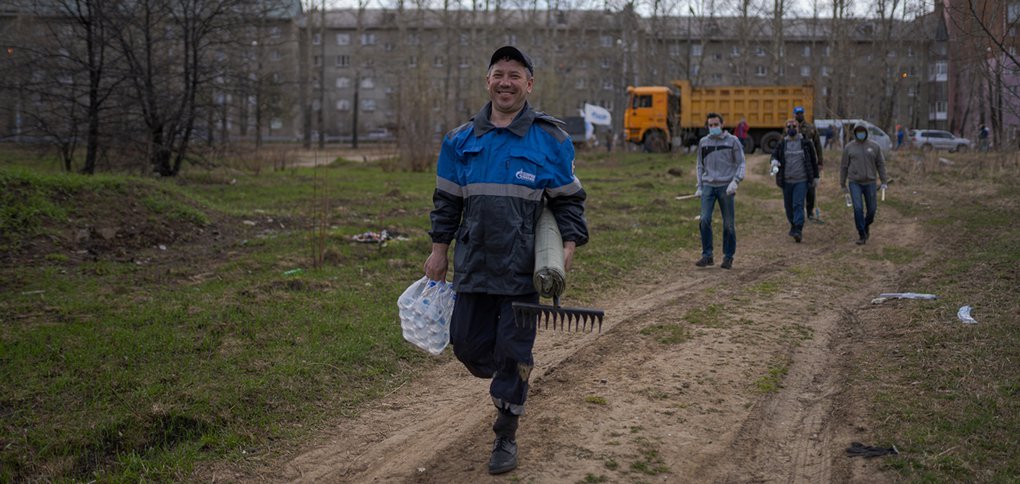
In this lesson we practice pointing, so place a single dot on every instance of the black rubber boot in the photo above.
(504, 448)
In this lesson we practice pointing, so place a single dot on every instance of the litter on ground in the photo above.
(858, 449)
(885, 296)
(964, 315)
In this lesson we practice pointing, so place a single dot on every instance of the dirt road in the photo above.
(751, 387)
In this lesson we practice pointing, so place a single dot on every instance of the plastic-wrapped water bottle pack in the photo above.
(425, 310)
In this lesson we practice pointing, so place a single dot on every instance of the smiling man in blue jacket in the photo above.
(491, 179)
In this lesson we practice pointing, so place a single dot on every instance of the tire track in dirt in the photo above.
(687, 411)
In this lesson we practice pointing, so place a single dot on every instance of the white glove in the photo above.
(884, 186)
(731, 188)
(775, 167)
(815, 184)
(697, 193)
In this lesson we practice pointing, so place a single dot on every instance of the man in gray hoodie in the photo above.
(720, 170)
(862, 165)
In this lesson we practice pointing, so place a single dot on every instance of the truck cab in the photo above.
(651, 118)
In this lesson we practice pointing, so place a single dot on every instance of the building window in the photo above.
(276, 123)
(437, 61)
(807, 51)
(368, 104)
(826, 51)
(716, 78)
(464, 62)
(316, 39)
(941, 68)
(697, 50)
(343, 105)
(343, 82)
(910, 52)
(343, 60)
(607, 84)
(735, 51)
(367, 83)
(759, 51)
(412, 61)
(1013, 12)
(941, 106)
(275, 32)
(343, 39)
(605, 63)
(911, 91)
(413, 38)
(717, 57)
(695, 70)
(825, 71)
(274, 55)
(316, 61)
(890, 53)
(368, 39)
(805, 71)
(825, 91)
(606, 40)
(760, 71)
(674, 50)
(579, 83)
(315, 105)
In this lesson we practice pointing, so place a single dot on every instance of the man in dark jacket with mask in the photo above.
(862, 165)
(810, 133)
(795, 166)
(491, 179)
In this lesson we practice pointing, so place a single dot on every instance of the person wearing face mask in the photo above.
(493, 176)
(862, 166)
(809, 132)
(720, 169)
(795, 165)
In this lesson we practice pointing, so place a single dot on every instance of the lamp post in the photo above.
(258, 93)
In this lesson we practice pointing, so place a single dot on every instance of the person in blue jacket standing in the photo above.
(493, 175)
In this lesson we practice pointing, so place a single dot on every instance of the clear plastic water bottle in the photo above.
(849, 202)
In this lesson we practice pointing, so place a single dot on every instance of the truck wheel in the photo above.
(748, 145)
(770, 140)
(655, 142)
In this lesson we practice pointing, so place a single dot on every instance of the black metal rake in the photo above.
(560, 318)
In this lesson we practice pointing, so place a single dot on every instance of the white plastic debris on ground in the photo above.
(885, 296)
(964, 315)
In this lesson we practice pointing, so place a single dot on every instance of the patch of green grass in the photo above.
(611, 464)
(896, 255)
(595, 400)
(710, 316)
(667, 334)
(592, 478)
(162, 205)
(765, 288)
(650, 462)
(772, 380)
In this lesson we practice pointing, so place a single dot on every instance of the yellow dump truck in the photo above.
(661, 118)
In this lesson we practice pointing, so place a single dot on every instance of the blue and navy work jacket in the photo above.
(490, 186)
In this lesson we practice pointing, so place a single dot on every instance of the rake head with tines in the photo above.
(561, 318)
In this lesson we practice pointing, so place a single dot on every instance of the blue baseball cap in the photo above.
(798, 110)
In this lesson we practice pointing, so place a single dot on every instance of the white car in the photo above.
(935, 139)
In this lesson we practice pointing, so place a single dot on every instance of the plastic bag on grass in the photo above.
(425, 310)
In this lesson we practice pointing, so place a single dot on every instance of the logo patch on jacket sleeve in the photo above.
(525, 176)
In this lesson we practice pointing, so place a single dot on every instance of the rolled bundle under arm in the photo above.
(550, 278)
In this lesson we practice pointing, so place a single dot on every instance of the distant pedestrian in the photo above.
(720, 169)
(983, 138)
(829, 134)
(862, 166)
(609, 140)
(796, 168)
(741, 133)
(900, 133)
(808, 131)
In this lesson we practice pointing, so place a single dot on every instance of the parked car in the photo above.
(934, 139)
(875, 133)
